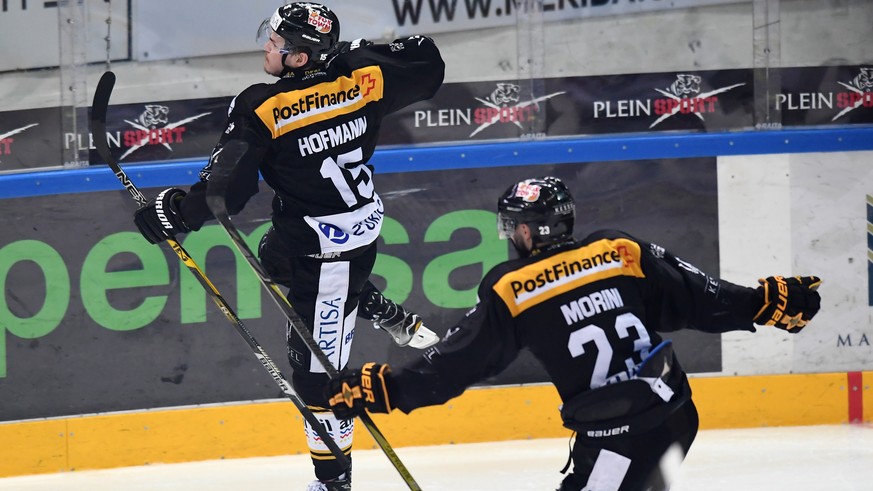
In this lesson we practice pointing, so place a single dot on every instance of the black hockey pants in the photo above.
(325, 293)
(633, 462)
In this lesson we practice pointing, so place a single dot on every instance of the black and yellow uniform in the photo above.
(311, 135)
(590, 311)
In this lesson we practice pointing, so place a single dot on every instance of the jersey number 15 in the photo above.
(354, 182)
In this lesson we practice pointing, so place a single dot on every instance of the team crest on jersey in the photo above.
(527, 191)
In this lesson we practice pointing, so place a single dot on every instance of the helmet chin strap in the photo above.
(285, 68)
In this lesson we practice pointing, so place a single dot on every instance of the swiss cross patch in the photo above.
(528, 192)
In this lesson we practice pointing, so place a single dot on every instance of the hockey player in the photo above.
(591, 312)
(310, 134)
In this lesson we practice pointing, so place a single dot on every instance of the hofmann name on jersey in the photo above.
(288, 111)
(545, 279)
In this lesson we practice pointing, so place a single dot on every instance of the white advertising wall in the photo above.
(800, 214)
(704, 38)
(30, 33)
(161, 36)
(172, 29)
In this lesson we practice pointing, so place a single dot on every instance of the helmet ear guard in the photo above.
(544, 204)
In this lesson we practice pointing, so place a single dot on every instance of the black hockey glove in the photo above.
(160, 219)
(357, 390)
(789, 303)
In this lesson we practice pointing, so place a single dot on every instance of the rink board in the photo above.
(488, 414)
(107, 322)
(106, 376)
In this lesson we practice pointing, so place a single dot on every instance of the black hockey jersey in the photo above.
(311, 134)
(590, 311)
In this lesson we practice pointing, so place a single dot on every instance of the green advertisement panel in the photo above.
(95, 319)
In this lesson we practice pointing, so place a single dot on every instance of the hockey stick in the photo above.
(98, 129)
(222, 168)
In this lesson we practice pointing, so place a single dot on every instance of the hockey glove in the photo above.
(789, 303)
(160, 219)
(357, 390)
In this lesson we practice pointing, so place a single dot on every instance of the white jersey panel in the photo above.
(351, 230)
(333, 331)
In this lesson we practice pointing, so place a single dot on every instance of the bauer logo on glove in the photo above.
(355, 391)
(789, 303)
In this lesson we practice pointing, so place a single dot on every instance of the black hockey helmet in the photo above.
(542, 203)
(303, 25)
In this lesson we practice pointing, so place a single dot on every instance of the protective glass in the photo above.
(505, 226)
(270, 41)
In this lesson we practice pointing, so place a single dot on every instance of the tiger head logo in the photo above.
(685, 84)
(504, 94)
(864, 80)
(154, 115)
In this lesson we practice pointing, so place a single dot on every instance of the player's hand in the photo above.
(789, 303)
(160, 219)
(357, 390)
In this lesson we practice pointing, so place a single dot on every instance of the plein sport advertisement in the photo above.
(95, 319)
(704, 101)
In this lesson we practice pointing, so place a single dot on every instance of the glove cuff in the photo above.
(172, 197)
(762, 291)
(775, 291)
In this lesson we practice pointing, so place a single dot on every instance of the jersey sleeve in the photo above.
(412, 68)
(684, 297)
(241, 124)
(481, 345)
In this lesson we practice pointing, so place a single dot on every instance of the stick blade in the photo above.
(101, 97)
(99, 106)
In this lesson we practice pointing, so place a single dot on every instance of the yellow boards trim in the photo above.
(288, 111)
(542, 280)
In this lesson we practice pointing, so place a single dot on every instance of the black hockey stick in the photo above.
(98, 129)
(223, 165)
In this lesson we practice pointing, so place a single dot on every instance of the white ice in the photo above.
(809, 458)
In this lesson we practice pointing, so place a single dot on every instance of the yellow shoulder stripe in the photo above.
(288, 111)
(539, 281)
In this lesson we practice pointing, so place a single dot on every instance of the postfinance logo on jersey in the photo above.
(542, 280)
(295, 109)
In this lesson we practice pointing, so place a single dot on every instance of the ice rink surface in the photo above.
(810, 458)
